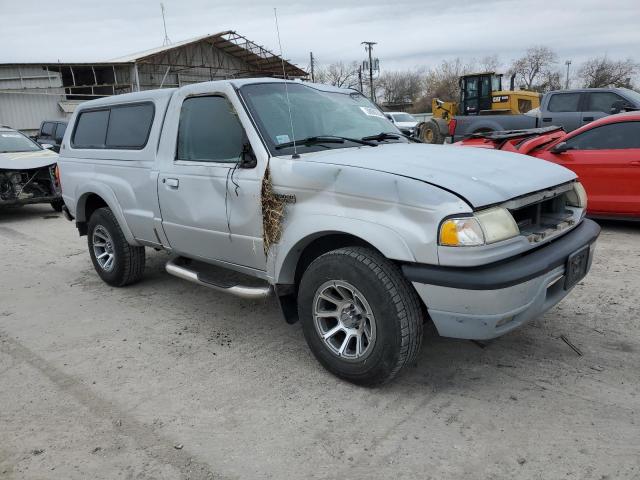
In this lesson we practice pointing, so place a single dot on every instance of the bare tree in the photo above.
(339, 74)
(442, 81)
(400, 86)
(603, 72)
(550, 80)
(489, 63)
(534, 66)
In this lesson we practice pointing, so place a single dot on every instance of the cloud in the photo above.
(409, 32)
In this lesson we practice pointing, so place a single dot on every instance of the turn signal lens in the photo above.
(461, 232)
(56, 174)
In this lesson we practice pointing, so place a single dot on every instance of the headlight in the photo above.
(484, 227)
(578, 196)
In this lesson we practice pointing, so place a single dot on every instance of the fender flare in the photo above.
(109, 197)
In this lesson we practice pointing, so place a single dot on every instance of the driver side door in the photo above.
(210, 206)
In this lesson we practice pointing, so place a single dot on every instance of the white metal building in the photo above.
(33, 92)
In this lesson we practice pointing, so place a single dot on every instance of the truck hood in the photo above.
(27, 160)
(479, 176)
(406, 124)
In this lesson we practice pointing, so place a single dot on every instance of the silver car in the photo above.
(308, 193)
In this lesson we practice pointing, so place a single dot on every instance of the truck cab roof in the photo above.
(165, 93)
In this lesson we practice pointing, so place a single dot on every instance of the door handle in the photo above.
(171, 182)
(546, 119)
(635, 163)
(587, 119)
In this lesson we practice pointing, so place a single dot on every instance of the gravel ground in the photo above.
(164, 379)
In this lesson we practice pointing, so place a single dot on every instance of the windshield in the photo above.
(315, 113)
(633, 95)
(403, 117)
(17, 142)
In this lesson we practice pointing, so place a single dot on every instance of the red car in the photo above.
(605, 155)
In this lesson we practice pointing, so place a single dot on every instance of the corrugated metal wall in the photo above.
(200, 62)
(29, 95)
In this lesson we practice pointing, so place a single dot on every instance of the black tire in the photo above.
(430, 133)
(128, 262)
(57, 205)
(392, 299)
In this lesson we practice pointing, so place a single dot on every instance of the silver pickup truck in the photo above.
(309, 193)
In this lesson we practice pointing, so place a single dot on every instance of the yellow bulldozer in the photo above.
(480, 94)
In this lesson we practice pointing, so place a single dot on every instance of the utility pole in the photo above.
(360, 78)
(369, 48)
(566, 85)
(166, 37)
(312, 62)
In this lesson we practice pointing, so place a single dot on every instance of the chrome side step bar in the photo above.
(181, 271)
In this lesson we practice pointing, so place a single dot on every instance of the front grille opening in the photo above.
(539, 220)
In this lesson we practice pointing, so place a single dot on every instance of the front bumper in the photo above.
(29, 201)
(488, 301)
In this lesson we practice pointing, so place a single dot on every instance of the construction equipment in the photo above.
(480, 94)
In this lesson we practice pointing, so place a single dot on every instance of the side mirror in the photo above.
(439, 102)
(561, 148)
(618, 106)
(247, 157)
(47, 146)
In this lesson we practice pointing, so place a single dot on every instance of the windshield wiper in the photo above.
(325, 139)
(391, 135)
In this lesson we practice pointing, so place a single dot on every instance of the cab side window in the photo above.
(209, 131)
(60, 129)
(602, 101)
(564, 102)
(613, 136)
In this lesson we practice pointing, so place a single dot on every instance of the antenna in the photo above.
(286, 88)
(166, 37)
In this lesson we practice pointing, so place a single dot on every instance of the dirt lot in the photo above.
(167, 380)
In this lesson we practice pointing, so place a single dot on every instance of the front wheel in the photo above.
(430, 133)
(117, 262)
(361, 318)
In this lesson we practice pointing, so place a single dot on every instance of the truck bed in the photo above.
(467, 125)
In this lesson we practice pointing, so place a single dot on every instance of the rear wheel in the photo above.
(117, 262)
(430, 133)
(361, 318)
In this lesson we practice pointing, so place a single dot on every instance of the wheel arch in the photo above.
(98, 196)
(299, 255)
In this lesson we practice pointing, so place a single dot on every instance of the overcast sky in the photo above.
(409, 32)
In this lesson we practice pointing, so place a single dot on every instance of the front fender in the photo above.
(283, 259)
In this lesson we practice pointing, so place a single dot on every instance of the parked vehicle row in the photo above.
(569, 109)
(310, 193)
(605, 154)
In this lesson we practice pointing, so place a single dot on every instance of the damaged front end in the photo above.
(29, 185)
